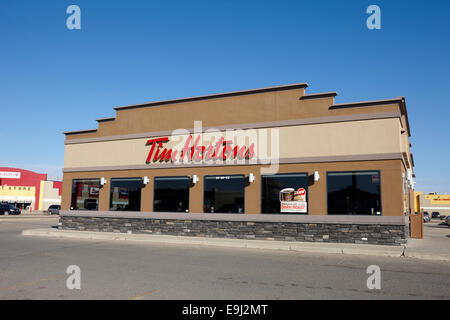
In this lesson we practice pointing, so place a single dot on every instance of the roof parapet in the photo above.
(212, 96)
(105, 119)
(80, 131)
(366, 103)
(218, 95)
(320, 95)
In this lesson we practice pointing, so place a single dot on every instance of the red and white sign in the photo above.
(9, 175)
(300, 195)
(293, 201)
(222, 150)
(293, 206)
(94, 191)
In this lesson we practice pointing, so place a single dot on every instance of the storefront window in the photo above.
(356, 192)
(171, 194)
(224, 194)
(278, 188)
(85, 194)
(125, 194)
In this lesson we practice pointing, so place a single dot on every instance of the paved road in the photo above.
(34, 268)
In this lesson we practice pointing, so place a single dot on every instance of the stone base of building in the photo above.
(231, 226)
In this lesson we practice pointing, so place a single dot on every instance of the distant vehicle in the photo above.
(435, 215)
(54, 209)
(426, 217)
(6, 209)
(447, 220)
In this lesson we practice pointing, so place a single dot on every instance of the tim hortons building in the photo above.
(272, 163)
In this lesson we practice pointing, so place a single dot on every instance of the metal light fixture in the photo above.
(316, 176)
(102, 181)
(145, 180)
(251, 177)
(195, 179)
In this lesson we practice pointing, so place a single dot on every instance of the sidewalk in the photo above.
(416, 248)
(27, 216)
(434, 246)
(33, 213)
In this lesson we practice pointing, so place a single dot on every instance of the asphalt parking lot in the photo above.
(35, 268)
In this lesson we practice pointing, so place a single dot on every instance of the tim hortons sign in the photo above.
(222, 150)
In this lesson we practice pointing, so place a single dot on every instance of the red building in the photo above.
(25, 189)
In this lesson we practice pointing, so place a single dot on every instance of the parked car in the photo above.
(6, 209)
(447, 220)
(426, 217)
(54, 209)
(435, 215)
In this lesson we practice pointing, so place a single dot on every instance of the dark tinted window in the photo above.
(355, 192)
(85, 194)
(125, 194)
(224, 194)
(271, 185)
(171, 194)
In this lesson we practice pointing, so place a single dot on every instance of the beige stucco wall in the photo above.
(48, 195)
(363, 137)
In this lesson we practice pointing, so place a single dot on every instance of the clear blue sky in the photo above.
(53, 79)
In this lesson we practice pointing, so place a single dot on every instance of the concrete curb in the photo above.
(26, 218)
(306, 247)
(410, 253)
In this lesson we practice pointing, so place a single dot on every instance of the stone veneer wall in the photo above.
(384, 234)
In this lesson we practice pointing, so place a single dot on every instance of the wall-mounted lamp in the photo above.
(316, 176)
(102, 181)
(195, 179)
(145, 180)
(251, 177)
(409, 175)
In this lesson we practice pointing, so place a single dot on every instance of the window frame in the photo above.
(347, 171)
(285, 173)
(221, 175)
(111, 191)
(71, 196)
(189, 192)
